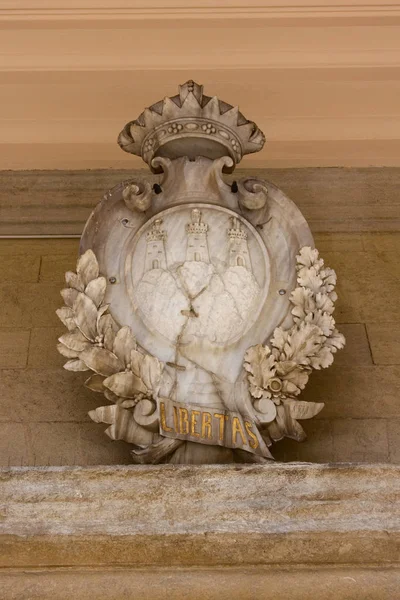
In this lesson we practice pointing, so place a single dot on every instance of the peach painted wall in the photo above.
(320, 78)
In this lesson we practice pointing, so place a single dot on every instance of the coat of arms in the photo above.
(200, 306)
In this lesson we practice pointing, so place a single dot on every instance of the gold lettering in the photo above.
(163, 419)
(206, 425)
(253, 441)
(193, 423)
(183, 420)
(176, 419)
(237, 428)
(221, 425)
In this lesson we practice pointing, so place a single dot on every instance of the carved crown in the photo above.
(191, 124)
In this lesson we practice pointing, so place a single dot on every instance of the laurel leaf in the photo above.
(150, 372)
(96, 289)
(66, 316)
(74, 340)
(74, 281)
(108, 329)
(86, 316)
(101, 361)
(95, 383)
(69, 296)
(123, 345)
(125, 384)
(67, 352)
(76, 365)
(87, 267)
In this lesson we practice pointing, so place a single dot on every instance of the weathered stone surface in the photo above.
(19, 269)
(13, 444)
(39, 247)
(332, 199)
(382, 241)
(356, 350)
(244, 583)
(53, 268)
(393, 427)
(360, 440)
(63, 444)
(42, 348)
(318, 447)
(14, 344)
(29, 304)
(356, 392)
(44, 395)
(385, 342)
(339, 242)
(203, 516)
(366, 281)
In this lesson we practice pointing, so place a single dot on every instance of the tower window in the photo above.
(155, 264)
(240, 261)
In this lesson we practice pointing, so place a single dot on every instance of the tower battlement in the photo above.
(197, 248)
(196, 226)
(236, 232)
(156, 234)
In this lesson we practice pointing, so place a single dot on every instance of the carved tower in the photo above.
(238, 250)
(155, 251)
(197, 247)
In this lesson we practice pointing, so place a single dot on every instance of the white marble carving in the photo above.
(200, 307)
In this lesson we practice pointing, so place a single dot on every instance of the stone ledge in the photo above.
(188, 516)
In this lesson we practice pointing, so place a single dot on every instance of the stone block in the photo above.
(43, 352)
(60, 444)
(393, 431)
(384, 339)
(14, 344)
(13, 445)
(360, 440)
(38, 247)
(213, 583)
(368, 285)
(30, 304)
(204, 516)
(19, 269)
(53, 267)
(46, 395)
(317, 448)
(356, 350)
(356, 392)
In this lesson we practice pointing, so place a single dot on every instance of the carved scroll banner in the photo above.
(199, 307)
(205, 425)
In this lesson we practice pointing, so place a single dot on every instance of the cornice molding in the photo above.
(22, 10)
(204, 515)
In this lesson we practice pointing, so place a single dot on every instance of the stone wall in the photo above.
(43, 408)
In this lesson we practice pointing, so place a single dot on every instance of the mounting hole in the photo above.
(157, 188)
(125, 222)
(112, 279)
(282, 292)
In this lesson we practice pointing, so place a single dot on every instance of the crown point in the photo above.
(191, 87)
